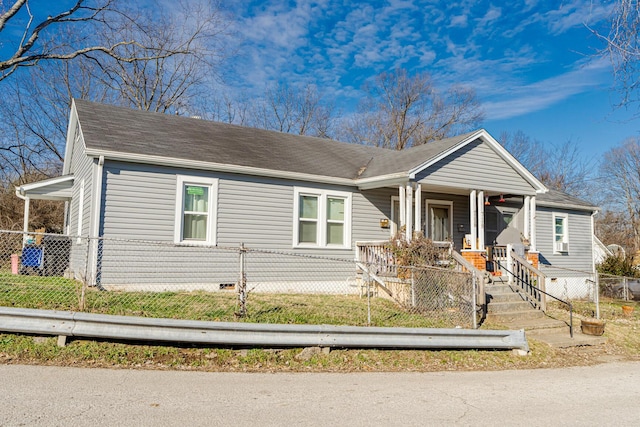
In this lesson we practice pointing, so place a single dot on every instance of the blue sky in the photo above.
(531, 62)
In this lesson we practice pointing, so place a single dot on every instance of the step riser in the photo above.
(515, 317)
(509, 307)
(512, 297)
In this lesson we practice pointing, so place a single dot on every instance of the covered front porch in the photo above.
(472, 221)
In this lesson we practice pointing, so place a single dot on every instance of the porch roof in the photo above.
(58, 188)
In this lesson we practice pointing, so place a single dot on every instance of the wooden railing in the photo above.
(521, 274)
(378, 255)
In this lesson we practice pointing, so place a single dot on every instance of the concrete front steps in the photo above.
(509, 308)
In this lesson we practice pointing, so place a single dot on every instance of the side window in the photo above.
(560, 233)
(321, 218)
(195, 213)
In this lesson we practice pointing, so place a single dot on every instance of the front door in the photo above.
(439, 221)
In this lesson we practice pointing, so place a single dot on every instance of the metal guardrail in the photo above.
(73, 324)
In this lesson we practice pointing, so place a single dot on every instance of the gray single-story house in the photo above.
(137, 175)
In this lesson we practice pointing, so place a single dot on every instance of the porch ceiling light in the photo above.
(486, 201)
(501, 198)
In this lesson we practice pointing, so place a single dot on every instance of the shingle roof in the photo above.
(116, 129)
(123, 130)
(555, 198)
(108, 128)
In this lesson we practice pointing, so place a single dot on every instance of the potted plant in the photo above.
(592, 326)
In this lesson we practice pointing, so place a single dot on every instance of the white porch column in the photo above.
(418, 209)
(532, 238)
(402, 204)
(480, 220)
(409, 212)
(25, 223)
(527, 216)
(473, 217)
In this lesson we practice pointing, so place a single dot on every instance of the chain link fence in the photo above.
(619, 287)
(162, 279)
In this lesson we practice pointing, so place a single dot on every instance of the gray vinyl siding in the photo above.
(139, 204)
(82, 169)
(580, 254)
(476, 166)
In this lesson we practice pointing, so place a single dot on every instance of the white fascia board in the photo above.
(22, 190)
(566, 206)
(46, 182)
(495, 145)
(68, 150)
(217, 167)
(382, 181)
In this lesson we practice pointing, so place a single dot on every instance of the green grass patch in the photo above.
(55, 293)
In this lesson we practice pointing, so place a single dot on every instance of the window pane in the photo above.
(309, 207)
(195, 227)
(196, 198)
(335, 209)
(440, 223)
(307, 232)
(335, 233)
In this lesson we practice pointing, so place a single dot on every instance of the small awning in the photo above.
(58, 188)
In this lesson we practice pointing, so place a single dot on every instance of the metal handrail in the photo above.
(547, 294)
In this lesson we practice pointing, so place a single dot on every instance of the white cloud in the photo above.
(516, 100)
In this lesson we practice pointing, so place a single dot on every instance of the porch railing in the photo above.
(521, 274)
(379, 253)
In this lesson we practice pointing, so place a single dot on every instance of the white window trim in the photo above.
(321, 236)
(565, 235)
(212, 213)
(427, 204)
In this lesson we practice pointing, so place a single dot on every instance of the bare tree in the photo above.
(79, 22)
(194, 31)
(400, 111)
(34, 113)
(560, 166)
(293, 110)
(621, 172)
(622, 47)
(612, 226)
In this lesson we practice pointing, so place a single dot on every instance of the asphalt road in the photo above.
(607, 394)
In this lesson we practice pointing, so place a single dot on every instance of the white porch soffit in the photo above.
(58, 188)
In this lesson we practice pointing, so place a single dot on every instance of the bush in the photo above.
(420, 251)
(618, 265)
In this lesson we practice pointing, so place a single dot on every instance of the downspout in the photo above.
(95, 219)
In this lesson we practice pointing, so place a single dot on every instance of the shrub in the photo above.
(420, 251)
(618, 265)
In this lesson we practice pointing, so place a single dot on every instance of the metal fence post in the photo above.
(242, 284)
(597, 295)
(368, 280)
(474, 302)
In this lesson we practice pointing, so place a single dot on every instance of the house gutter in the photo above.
(217, 167)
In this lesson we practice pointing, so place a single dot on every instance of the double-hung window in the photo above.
(560, 233)
(321, 218)
(195, 217)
